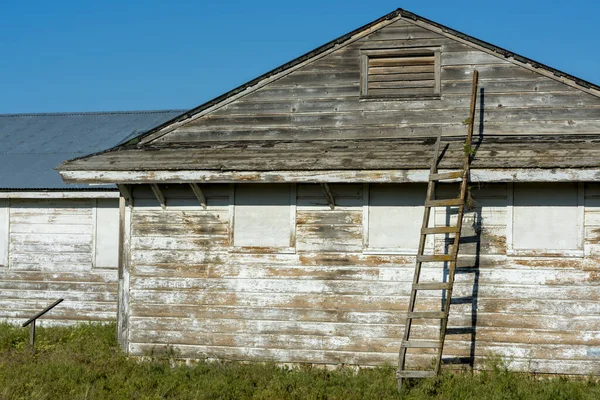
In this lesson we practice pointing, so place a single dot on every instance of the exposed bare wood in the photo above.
(125, 190)
(329, 298)
(443, 203)
(51, 250)
(267, 80)
(159, 195)
(198, 192)
(329, 195)
(320, 176)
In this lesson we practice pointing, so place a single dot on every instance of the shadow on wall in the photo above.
(469, 299)
(473, 267)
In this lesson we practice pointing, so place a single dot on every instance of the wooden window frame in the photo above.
(365, 54)
(429, 243)
(579, 252)
(291, 249)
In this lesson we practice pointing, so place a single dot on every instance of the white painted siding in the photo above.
(51, 244)
(332, 302)
(51, 235)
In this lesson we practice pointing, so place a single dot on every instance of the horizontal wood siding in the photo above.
(331, 302)
(321, 99)
(50, 252)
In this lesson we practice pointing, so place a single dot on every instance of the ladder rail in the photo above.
(452, 253)
(459, 223)
(421, 249)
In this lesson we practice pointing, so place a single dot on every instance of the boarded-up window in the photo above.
(547, 217)
(395, 215)
(107, 234)
(51, 234)
(264, 216)
(400, 73)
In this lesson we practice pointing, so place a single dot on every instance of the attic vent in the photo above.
(400, 73)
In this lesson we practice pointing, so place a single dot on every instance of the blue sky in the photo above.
(132, 55)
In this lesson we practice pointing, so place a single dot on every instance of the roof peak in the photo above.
(511, 56)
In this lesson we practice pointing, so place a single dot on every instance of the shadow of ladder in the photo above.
(450, 256)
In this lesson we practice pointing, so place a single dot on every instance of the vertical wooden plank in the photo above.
(124, 274)
(127, 192)
(365, 215)
(364, 73)
(94, 206)
(437, 72)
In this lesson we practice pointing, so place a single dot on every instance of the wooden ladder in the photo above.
(450, 257)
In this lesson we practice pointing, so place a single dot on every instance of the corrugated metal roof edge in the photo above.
(68, 113)
(399, 12)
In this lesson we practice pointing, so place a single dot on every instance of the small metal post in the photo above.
(31, 322)
(32, 335)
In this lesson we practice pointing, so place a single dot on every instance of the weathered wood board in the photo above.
(318, 103)
(58, 248)
(332, 300)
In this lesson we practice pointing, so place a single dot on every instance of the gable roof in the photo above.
(33, 144)
(192, 150)
(522, 60)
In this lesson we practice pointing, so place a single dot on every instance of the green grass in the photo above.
(84, 362)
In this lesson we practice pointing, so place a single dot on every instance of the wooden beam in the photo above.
(328, 195)
(159, 195)
(198, 192)
(126, 193)
(318, 176)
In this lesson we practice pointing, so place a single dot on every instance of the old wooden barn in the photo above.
(58, 240)
(234, 250)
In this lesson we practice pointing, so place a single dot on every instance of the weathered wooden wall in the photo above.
(58, 248)
(333, 301)
(321, 99)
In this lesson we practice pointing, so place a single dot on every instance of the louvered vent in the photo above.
(400, 73)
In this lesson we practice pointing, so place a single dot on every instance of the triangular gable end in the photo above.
(391, 31)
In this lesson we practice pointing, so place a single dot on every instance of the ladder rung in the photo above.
(431, 286)
(435, 257)
(439, 229)
(444, 203)
(427, 315)
(422, 344)
(415, 374)
(446, 175)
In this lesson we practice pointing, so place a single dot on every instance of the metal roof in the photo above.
(34, 144)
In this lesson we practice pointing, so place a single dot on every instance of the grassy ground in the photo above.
(85, 363)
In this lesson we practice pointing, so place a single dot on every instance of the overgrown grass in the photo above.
(84, 362)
